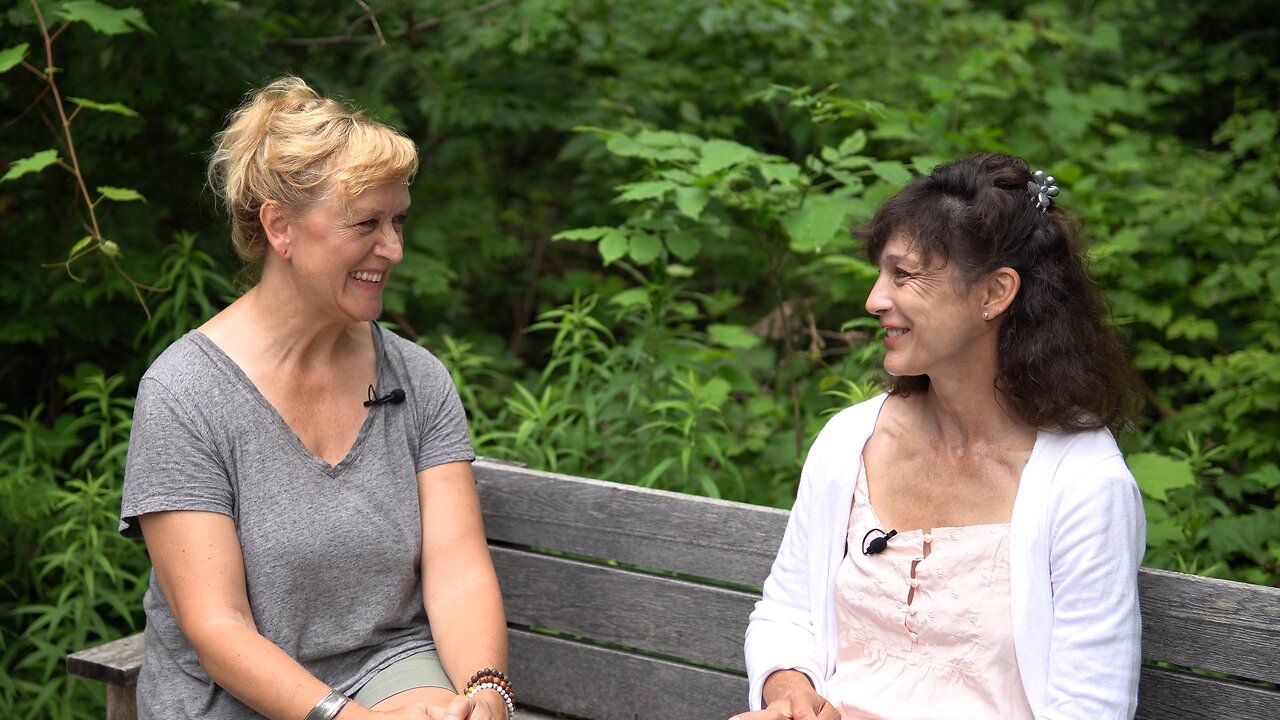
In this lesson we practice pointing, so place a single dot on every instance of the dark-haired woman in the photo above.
(966, 545)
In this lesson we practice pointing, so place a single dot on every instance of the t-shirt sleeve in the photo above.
(172, 462)
(443, 436)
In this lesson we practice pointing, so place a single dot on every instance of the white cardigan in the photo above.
(1077, 537)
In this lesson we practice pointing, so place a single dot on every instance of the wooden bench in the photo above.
(630, 604)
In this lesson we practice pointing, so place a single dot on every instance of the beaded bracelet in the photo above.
(502, 692)
(493, 676)
(496, 680)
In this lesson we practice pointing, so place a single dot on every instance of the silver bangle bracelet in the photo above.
(328, 707)
(511, 707)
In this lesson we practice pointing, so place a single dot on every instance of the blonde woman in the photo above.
(302, 476)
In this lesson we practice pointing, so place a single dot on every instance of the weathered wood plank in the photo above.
(122, 702)
(1218, 625)
(115, 663)
(655, 614)
(602, 684)
(1173, 695)
(698, 536)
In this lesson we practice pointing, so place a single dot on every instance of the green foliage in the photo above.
(629, 240)
(78, 583)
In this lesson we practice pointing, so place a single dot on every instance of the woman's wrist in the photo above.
(493, 700)
(784, 682)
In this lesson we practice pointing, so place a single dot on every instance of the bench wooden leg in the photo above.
(122, 703)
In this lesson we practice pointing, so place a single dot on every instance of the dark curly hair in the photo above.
(1059, 364)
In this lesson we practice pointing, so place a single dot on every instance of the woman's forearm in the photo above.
(260, 674)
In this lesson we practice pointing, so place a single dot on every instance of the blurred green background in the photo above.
(629, 238)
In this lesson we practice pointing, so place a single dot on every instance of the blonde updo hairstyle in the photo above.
(288, 144)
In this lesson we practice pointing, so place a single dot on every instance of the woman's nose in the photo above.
(878, 300)
(391, 245)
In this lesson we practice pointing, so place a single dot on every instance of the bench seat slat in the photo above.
(669, 531)
(1217, 625)
(652, 613)
(603, 684)
(1165, 694)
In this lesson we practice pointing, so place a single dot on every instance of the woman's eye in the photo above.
(398, 220)
(367, 225)
(900, 274)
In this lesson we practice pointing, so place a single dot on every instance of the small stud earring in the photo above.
(986, 315)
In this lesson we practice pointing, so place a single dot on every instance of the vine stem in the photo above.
(95, 230)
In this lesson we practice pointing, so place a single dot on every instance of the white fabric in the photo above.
(1077, 537)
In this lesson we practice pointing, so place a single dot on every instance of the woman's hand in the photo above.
(797, 705)
(471, 708)
(790, 696)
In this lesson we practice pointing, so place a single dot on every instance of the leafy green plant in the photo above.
(81, 583)
(104, 19)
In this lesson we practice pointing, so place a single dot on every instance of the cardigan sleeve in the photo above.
(1097, 539)
(782, 632)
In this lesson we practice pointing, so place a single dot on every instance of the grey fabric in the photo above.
(415, 671)
(331, 552)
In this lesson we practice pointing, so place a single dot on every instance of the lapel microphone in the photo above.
(878, 543)
(395, 397)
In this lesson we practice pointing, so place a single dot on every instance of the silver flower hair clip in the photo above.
(1044, 188)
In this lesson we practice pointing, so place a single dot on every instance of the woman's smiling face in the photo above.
(341, 254)
(932, 322)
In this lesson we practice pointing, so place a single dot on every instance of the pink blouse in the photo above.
(924, 627)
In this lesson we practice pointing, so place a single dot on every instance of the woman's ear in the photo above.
(999, 290)
(275, 222)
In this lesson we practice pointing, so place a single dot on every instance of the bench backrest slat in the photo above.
(1217, 625)
(605, 684)
(681, 533)
(662, 615)
(1176, 695)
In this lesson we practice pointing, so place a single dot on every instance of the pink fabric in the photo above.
(924, 627)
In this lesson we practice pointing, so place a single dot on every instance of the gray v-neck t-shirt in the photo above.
(331, 552)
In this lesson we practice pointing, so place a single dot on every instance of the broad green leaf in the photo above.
(1192, 328)
(630, 147)
(647, 190)
(120, 194)
(583, 234)
(1245, 534)
(33, 164)
(924, 164)
(815, 223)
(781, 172)
(720, 154)
(692, 200)
(116, 108)
(684, 245)
(853, 144)
(103, 18)
(10, 57)
(891, 172)
(613, 246)
(631, 297)
(733, 336)
(645, 248)
(1158, 474)
(1068, 116)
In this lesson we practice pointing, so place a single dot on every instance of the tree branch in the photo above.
(378, 37)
